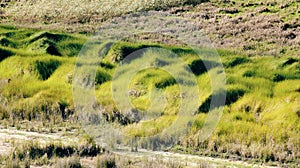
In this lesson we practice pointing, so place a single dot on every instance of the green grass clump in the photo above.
(107, 161)
(4, 53)
(121, 50)
(101, 77)
(46, 68)
(165, 82)
(7, 42)
(237, 61)
(199, 67)
(249, 73)
(231, 95)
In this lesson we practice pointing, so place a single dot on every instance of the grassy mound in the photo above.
(260, 120)
(44, 46)
(121, 50)
(28, 42)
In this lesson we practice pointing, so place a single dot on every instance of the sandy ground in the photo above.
(12, 135)
(8, 136)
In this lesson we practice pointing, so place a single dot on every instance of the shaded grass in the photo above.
(4, 53)
(46, 68)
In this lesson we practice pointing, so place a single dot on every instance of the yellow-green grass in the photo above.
(261, 119)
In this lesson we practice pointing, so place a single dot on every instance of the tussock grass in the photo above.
(232, 95)
(56, 154)
(199, 67)
(260, 121)
(101, 77)
(107, 161)
(45, 68)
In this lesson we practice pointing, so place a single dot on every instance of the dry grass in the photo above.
(265, 28)
(82, 11)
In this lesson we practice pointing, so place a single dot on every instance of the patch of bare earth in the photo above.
(256, 32)
(10, 137)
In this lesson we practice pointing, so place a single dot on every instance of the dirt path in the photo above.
(11, 135)
(190, 161)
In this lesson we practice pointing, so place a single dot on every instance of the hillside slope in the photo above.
(261, 120)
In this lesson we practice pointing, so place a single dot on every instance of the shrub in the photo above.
(107, 65)
(206, 105)
(44, 46)
(126, 117)
(89, 150)
(182, 51)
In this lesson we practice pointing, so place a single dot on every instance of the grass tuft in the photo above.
(46, 68)
(4, 53)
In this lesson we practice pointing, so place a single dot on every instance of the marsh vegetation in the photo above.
(258, 44)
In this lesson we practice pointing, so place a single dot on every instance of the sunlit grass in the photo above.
(261, 116)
